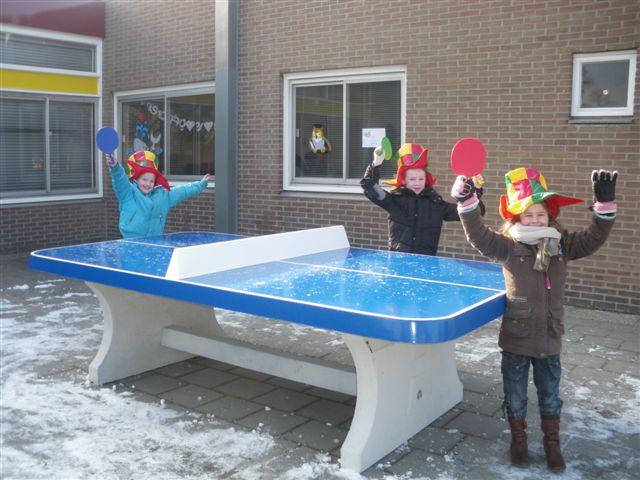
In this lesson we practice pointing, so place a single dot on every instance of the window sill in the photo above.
(601, 120)
(52, 200)
(358, 196)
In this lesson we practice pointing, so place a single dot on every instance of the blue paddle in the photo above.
(107, 140)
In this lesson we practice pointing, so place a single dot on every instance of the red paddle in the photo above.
(468, 157)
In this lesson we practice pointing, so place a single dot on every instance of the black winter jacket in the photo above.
(415, 221)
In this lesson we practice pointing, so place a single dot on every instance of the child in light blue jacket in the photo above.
(146, 197)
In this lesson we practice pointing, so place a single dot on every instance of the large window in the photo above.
(177, 125)
(46, 146)
(603, 84)
(333, 120)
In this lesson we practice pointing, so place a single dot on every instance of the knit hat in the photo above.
(526, 186)
(411, 155)
(145, 161)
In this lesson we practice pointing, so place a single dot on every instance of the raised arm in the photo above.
(489, 243)
(588, 241)
(183, 192)
(369, 183)
(122, 187)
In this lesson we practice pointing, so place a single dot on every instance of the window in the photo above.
(333, 120)
(177, 125)
(603, 84)
(18, 49)
(46, 147)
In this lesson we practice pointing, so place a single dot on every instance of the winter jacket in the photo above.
(145, 215)
(532, 322)
(415, 220)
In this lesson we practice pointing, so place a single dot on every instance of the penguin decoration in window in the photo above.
(318, 143)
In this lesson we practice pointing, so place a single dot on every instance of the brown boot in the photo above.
(551, 428)
(519, 450)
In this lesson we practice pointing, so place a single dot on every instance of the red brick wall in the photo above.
(499, 71)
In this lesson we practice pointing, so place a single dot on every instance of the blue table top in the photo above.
(373, 293)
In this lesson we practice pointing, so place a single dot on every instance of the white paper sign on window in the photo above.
(371, 137)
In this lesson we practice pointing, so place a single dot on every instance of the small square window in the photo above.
(603, 84)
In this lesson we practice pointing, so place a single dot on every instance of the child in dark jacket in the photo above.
(416, 211)
(534, 250)
(145, 197)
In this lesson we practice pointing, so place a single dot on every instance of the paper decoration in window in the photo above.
(318, 143)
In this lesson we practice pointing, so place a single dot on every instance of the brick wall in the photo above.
(499, 71)
(158, 43)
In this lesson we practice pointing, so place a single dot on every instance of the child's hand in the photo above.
(463, 189)
(206, 177)
(604, 185)
(378, 156)
(111, 160)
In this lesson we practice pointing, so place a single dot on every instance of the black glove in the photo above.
(604, 185)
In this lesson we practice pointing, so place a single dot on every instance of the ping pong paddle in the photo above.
(107, 140)
(385, 145)
(468, 157)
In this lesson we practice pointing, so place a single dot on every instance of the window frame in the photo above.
(166, 93)
(576, 91)
(330, 77)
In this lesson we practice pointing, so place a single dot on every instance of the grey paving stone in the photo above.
(329, 394)
(245, 388)
(447, 417)
(155, 384)
(180, 368)
(317, 435)
(616, 366)
(289, 384)
(191, 396)
(425, 465)
(631, 345)
(608, 341)
(327, 411)
(436, 440)
(481, 403)
(275, 422)
(209, 377)
(229, 408)
(478, 425)
(284, 461)
(586, 360)
(591, 375)
(286, 400)
(476, 383)
(207, 362)
(252, 374)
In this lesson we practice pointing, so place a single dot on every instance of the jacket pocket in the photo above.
(556, 325)
(515, 321)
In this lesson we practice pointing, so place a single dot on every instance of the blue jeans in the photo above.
(546, 377)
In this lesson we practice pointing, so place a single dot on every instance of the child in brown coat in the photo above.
(534, 250)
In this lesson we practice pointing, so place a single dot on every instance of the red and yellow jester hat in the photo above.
(144, 161)
(411, 155)
(526, 186)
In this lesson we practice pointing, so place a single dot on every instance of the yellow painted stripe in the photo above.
(48, 82)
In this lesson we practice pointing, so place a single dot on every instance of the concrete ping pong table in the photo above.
(399, 315)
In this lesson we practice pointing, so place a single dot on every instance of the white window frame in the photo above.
(166, 93)
(576, 98)
(345, 77)
(68, 37)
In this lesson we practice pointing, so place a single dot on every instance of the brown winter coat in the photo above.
(532, 322)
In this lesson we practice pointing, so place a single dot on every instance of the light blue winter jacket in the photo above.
(145, 215)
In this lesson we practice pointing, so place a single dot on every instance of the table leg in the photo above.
(133, 325)
(402, 388)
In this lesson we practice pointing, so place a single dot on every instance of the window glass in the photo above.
(143, 128)
(22, 148)
(372, 105)
(189, 151)
(191, 135)
(44, 52)
(71, 145)
(605, 84)
(319, 142)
